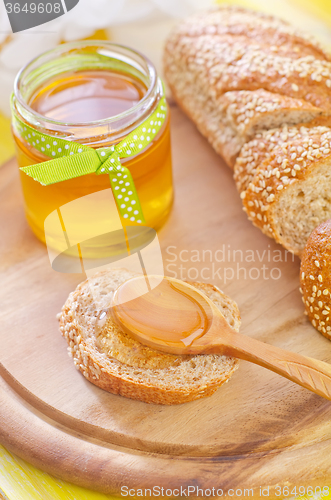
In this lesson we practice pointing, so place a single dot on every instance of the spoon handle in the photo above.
(310, 373)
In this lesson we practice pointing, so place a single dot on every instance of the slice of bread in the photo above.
(112, 360)
(284, 179)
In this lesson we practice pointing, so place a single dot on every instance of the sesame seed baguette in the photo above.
(237, 72)
(258, 89)
(117, 363)
(284, 177)
(257, 52)
(236, 117)
(315, 278)
(236, 20)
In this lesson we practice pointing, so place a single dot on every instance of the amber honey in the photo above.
(78, 104)
(87, 96)
(167, 313)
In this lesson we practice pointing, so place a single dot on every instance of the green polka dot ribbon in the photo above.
(71, 159)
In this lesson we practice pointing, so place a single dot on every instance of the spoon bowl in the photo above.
(168, 317)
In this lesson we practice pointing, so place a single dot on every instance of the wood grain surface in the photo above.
(257, 430)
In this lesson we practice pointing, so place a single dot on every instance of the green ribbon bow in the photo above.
(71, 159)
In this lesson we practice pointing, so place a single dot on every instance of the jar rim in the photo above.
(145, 103)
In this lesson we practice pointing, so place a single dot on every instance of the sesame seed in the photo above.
(320, 278)
(317, 264)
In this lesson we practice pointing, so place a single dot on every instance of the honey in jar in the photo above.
(94, 93)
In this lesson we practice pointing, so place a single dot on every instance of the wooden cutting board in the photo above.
(258, 430)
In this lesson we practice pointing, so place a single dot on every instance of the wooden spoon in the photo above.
(177, 318)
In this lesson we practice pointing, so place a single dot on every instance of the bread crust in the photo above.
(159, 386)
(315, 278)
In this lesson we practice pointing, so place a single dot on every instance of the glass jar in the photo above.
(72, 81)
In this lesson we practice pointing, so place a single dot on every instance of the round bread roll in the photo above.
(315, 278)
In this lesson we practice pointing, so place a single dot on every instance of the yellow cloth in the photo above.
(320, 8)
(21, 481)
(6, 141)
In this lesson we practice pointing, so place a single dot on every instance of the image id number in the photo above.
(33, 8)
(286, 491)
